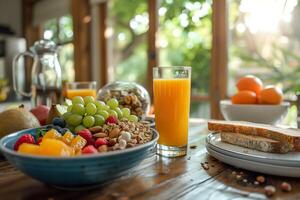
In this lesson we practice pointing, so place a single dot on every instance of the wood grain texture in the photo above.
(219, 56)
(158, 178)
(31, 33)
(152, 50)
(82, 37)
(103, 43)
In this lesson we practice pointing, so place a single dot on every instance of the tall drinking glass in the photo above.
(172, 88)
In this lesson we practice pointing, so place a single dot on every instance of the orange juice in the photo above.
(172, 105)
(80, 92)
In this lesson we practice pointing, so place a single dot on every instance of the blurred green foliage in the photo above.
(184, 38)
(276, 59)
(129, 20)
(60, 30)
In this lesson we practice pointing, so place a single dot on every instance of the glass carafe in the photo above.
(46, 80)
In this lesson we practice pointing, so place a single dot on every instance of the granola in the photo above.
(130, 98)
(123, 134)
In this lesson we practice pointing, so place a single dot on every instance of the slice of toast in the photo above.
(289, 137)
(254, 142)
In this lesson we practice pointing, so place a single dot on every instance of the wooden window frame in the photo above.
(81, 14)
(219, 57)
(218, 75)
(82, 51)
(30, 32)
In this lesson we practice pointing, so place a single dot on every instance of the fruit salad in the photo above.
(88, 127)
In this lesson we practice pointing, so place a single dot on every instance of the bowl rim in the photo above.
(6, 150)
(228, 102)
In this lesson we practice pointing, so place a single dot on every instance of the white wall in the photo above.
(11, 14)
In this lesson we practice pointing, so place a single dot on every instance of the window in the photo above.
(265, 41)
(127, 31)
(184, 38)
(60, 30)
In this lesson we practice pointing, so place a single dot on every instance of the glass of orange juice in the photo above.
(172, 88)
(81, 89)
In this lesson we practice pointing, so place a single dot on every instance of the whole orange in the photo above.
(270, 95)
(244, 97)
(251, 83)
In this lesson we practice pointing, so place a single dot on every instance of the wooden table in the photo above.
(158, 178)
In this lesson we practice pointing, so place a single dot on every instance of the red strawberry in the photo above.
(111, 120)
(90, 142)
(87, 135)
(101, 141)
(26, 138)
(90, 149)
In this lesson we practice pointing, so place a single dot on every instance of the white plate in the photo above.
(255, 166)
(291, 159)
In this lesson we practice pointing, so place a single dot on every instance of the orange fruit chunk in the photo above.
(244, 97)
(251, 83)
(53, 134)
(270, 95)
(53, 147)
(78, 142)
(67, 138)
(29, 148)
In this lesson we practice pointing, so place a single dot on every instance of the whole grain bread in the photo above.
(289, 137)
(254, 142)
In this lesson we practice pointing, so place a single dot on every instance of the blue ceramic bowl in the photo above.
(78, 171)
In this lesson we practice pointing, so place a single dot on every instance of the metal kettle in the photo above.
(46, 75)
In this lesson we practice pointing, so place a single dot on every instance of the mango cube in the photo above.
(67, 138)
(53, 147)
(78, 152)
(78, 142)
(53, 134)
(29, 149)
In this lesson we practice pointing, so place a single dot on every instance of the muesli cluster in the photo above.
(123, 134)
(131, 99)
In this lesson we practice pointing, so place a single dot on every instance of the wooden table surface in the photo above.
(158, 178)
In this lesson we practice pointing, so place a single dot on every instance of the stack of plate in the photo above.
(269, 163)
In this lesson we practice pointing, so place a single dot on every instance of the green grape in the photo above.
(88, 121)
(66, 115)
(119, 112)
(99, 120)
(106, 107)
(126, 112)
(79, 128)
(91, 109)
(100, 105)
(78, 109)
(74, 119)
(69, 109)
(112, 103)
(67, 102)
(88, 99)
(133, 118)
(124, 119)
(103, 113)
(113, 113)
(77, 99)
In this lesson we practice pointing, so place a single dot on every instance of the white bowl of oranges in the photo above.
(255, 103)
